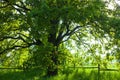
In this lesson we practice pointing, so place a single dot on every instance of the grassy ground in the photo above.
(68, 75)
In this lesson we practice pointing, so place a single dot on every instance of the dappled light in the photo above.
(59, 39)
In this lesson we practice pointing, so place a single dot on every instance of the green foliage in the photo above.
(33, 32)
(36, 57)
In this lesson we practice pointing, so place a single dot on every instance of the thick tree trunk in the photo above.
(52, 71)
(53, 68)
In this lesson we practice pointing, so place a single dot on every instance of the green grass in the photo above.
(80, 74)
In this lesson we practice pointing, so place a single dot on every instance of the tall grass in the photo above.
(69, 74)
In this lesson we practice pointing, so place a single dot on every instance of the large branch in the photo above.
(11, 37)
(26, 45)
(4, 6)
(36, 42)
(61, 37)
(22, 6)
(21, 46)
(61, 34)
(73, 30)
(69, 33)
(13, 47)
(4, 3)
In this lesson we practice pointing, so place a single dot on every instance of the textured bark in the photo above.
(53, 68)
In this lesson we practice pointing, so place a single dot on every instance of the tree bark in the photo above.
(52, 69)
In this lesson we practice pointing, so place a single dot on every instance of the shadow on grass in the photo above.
(20, 75)
(68, 75)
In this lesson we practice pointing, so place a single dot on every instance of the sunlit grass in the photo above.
(80, 74)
